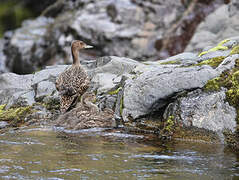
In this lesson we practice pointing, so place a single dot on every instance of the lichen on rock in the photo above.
(213, 62)
(218, 47)
(15, 115)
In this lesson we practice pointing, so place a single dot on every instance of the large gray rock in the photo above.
(106, 76)
(209, 111)
(153, 88)
(26, 48)
(219, 25)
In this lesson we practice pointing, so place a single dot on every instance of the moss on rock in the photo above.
(235, 50)
(170, 62)
(218, 47)
(230, 81)
(116, 91)
(213, 62)
(15, 116)
(169, 126)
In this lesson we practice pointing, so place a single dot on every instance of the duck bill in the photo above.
(88, 46)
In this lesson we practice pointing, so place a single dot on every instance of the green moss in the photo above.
(235, 50)
(223, 42)
(218, 47)
(229, 80)
(2, 107)
(121, 105)
(15, 116)
(213, 85)
(213, 62)
(170, 62)
(169, 124)
(115, 91)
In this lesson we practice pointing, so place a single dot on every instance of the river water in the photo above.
(47, 153)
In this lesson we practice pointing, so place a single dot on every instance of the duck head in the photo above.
(77, 45)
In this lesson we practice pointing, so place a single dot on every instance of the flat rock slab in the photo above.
(153, 88)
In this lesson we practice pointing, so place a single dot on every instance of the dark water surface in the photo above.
(44, 153)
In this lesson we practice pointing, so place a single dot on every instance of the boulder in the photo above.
(154, 87)
(25, 48)
(219, 25)
(208, 111)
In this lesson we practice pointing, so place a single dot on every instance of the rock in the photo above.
(134, 29)
(26, 48)
(3, 67)
(219, 25)
(16, 89)
(209, 111)
(154, 88)
(106, 76)
(184, 59)
(3, 124)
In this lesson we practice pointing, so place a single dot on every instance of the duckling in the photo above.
(87, 115)
(73, 82)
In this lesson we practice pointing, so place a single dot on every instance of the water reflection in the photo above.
(43, 153)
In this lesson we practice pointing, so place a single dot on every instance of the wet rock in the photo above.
(154, 87)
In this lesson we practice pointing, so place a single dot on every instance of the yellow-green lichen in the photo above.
(169, 124)
(2, 107)
(235, 50)
(115, 91)
(213, 62)
(213, 84)
(170, 62)
(218, 47)
(15, 116)
(229, 80)
(121, 105)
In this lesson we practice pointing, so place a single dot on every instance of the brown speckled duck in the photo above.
(86, 115)
(73, 82)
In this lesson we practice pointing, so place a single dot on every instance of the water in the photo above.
(43, 153)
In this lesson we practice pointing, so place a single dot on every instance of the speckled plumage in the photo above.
(73, 82)
(86, 115)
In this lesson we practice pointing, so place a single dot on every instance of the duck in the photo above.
(87, 115)
(74, 81)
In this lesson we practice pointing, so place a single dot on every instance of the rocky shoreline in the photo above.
(189, 96)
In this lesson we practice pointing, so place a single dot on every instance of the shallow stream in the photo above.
(46, 153)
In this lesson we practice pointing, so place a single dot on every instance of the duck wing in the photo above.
(66, 102)
(73, 80)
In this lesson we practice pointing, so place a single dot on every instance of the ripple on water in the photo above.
(37, 153)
